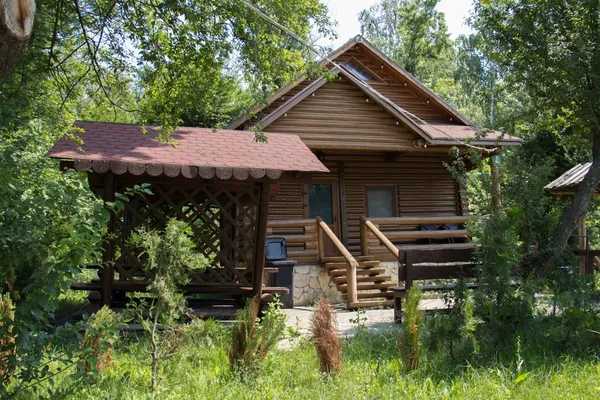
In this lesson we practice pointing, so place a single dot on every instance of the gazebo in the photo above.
(218, 181)
(567, 184)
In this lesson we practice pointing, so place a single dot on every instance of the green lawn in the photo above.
(372, 370)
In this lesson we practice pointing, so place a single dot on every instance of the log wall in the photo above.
(424, 187)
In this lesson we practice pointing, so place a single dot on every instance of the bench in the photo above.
(432, 263)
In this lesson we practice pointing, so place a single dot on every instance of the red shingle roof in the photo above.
(199, 152)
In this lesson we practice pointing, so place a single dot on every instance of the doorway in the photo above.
(322, 200)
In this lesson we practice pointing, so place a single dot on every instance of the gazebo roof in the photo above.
(568, 182)
(207, 153)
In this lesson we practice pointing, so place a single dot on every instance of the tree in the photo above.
(16, 24)
(411, 32)
(154, 44)
(552, 50)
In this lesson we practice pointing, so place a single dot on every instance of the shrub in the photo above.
(253, 338)
(411, 342)
(101, 333)
(170, 257)
(325, 337)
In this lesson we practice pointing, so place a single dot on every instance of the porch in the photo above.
(362, 277)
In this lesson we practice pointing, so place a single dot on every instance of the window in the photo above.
(381, 201)
(360, 71)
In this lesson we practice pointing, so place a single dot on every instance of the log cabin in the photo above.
(385, 138)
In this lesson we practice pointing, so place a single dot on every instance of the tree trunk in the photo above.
(575, 210)
(16, 25)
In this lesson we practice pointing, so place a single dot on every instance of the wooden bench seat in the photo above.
(432, 264)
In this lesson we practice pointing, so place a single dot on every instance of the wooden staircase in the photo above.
(372, 282)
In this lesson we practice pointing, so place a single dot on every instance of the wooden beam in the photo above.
(261, 237)
(108, 254)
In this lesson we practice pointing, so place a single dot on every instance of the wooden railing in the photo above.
(301, 237)
(324, 229)
(381, 236)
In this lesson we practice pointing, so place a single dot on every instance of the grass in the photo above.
(372, 370)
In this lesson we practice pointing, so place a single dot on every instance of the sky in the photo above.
(345, 12)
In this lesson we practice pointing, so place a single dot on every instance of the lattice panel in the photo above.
(223, 219)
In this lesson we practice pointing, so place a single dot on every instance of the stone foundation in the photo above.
(312, 282)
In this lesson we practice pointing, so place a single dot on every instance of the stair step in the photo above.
(362, 264)
(371, 295)
(365, 258)
(342, 259)
(366, 304)
(369, 286)
(374, 278)
(368, 271)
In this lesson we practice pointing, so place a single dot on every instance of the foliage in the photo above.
(253, 337)
(101, 334)
(411, 32)
(411, 340)
(324, 335)
(50, 226)
(7, 342)
(551, 49)
(170, 257)
(454, 332)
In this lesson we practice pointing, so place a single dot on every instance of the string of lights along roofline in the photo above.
(325, 57)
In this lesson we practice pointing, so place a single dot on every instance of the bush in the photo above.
(325, 337)
(253, 338)
(101, 333)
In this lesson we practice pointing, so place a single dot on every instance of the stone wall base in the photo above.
(312, 282)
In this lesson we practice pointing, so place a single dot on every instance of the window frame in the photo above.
(394, 189)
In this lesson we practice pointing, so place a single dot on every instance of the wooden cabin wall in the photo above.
(338, 116)
(423, 184)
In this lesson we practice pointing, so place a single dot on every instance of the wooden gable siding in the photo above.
(392, 85)
(423, 184)
(338, 116)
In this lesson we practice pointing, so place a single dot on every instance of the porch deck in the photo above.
(358, 276)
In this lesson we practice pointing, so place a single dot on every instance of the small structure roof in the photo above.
(568, 182)
(207, 153)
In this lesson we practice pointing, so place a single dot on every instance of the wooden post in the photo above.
(364, 236)
(496, 200)
(108, 253)
(343, 210)
(584, 261)
(261, 238)
(320, 242)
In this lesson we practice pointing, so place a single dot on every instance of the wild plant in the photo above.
(253, 337)
(411, 341)
(171, 255)
(324, 334)
(101, 334)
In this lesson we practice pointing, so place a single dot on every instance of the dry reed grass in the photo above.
(325, 337)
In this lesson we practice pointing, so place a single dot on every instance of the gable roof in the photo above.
(455, 131)
(224, 154)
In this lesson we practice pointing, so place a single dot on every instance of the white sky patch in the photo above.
(345, 12)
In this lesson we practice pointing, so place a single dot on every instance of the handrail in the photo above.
(352, 296)
(365, 248)
(388, 238)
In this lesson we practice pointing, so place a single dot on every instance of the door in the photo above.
(322, 200)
